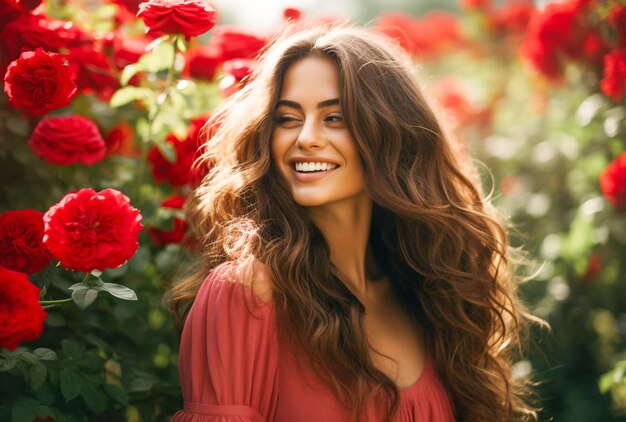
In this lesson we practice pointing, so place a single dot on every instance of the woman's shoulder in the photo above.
(249, 275)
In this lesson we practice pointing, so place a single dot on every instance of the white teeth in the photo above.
(306, 167)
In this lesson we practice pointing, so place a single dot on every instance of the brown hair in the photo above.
(445, 252)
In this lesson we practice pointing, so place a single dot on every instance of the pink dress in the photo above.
(233, 368)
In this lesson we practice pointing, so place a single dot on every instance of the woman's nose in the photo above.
(310, 136)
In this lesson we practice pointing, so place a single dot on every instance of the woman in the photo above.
(355, 271)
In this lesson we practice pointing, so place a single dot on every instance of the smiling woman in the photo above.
(311, 145)
(351, 269)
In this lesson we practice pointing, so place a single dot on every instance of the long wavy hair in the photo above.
(439, 240)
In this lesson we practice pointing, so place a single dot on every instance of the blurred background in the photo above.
(532, 93)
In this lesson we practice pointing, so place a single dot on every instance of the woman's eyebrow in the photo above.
(321, 104)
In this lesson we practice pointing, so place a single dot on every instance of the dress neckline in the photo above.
(423, 380)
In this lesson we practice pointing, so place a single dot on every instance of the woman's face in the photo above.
(311, 146)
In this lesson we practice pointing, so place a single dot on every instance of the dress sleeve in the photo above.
(228, 357)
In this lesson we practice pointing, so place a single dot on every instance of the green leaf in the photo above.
(78, 286)
(28, 357)
(45, 354)
(72, 348)
(23, 410)
(71, 385)
(94, 399)
(84, 298)
(159, 59)
(142, 383)
(37, 376)
(116, 393)
(119, 291)
(181, 45)
(131, 93)
(7, 364)
(167, 151)
(130, 71)
(42, 411)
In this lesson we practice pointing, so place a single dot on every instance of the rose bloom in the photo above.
(176, 233)
(613, 182)
(427, 36)
(202, 63)
(292, 14)
(92, 71)
(121, 141)
(236, 42)
(21, 241)
(614, 82)
(236, 75)
(177, 173)
(29, 32)
(560, 32)
(21, 316)
(187, 17)
(89, 230)
(68, 140)
(39, 82)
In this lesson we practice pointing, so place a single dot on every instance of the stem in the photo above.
(161, 99)
(52, 303)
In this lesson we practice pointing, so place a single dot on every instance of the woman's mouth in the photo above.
(308, 167)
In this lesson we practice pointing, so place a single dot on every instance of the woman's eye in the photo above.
(285, 120)
(334, 118)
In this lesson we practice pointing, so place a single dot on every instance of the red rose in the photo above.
(292, 14)
(176, 233)
(127, 50)
(29, 32)
(202, 63)
(21, 315)
(121, 141)
(614, 82)
(235, 42)
(188, 17)
(92, 71)
(177, 173)
(39, 82)
(560, 33)
(21, 241)
(236, 75)
(131, 6)
(68, 140)
(613, 182)
(91, 230)
(428, 36)
(9, 11)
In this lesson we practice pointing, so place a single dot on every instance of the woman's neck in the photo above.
(346, 227)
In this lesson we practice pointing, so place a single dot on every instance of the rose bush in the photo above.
(21, 241)
(68, 140)
(39, 82)
(89, 230)
(21, 316)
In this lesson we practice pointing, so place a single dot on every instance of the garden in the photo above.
(104, 109)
